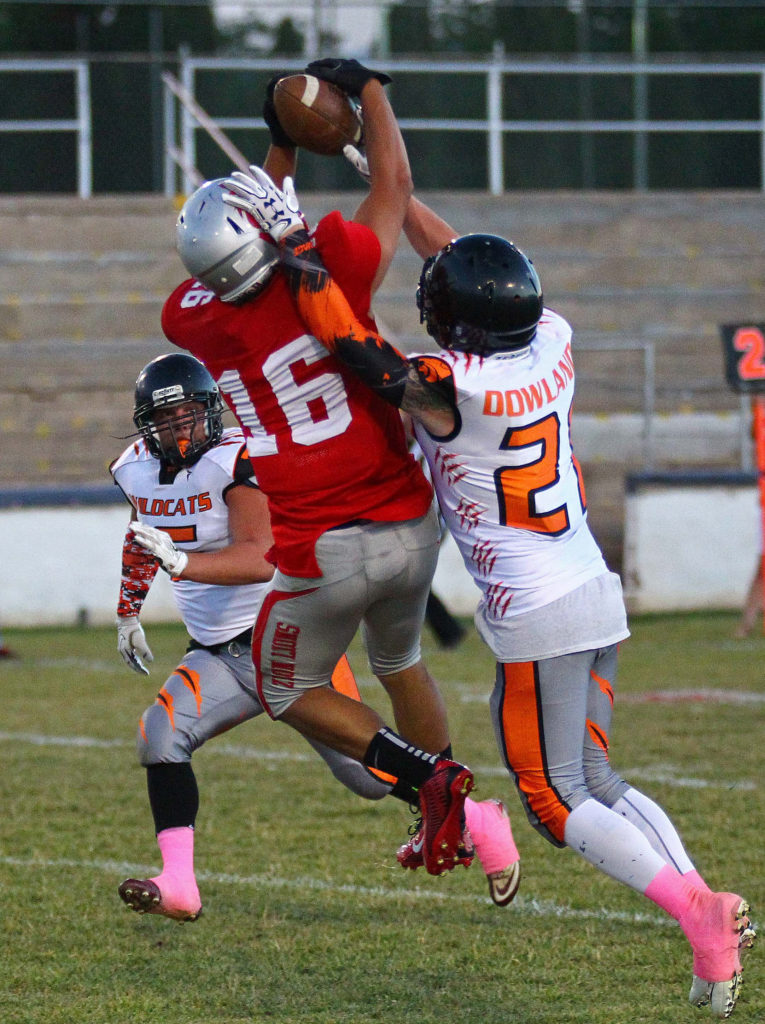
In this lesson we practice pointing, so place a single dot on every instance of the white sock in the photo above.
(655, 825)
(612, 844)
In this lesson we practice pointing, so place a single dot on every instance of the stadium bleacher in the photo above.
(82, 284)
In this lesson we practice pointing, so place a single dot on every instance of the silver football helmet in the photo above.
(221, 246)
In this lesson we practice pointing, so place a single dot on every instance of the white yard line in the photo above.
(701, 696)
(521, 905)
(666, 774)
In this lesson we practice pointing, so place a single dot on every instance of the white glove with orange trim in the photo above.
(132, 645)
(159, 544)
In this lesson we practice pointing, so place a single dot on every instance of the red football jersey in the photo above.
(325, 449)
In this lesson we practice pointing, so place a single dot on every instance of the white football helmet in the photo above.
(221, 246)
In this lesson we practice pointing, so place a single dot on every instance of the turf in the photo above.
(308, 919)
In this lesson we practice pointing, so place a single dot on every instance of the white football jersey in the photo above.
(507, 481)
(190, 507)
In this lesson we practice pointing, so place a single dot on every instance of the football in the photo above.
(317, 115)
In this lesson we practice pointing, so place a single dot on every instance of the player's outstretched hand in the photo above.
(357, 160)
(132, 645)
(348, 75)
(158, 543)
(275, 209)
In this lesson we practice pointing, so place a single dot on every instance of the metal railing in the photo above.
(82, 124)
(493, 126)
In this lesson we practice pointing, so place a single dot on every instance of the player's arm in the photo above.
(326, 311)
(138, 571)
(328, 317)
(281, 162)
(240, 562)
(390, 180)
(426, 231)
(281, 158)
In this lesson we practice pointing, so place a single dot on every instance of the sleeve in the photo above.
(329, 317)
(138, 571)
(335, 238)
(191, 315)
(242, 474)
(438, 375)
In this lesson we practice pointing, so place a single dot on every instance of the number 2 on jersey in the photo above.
(534, 475)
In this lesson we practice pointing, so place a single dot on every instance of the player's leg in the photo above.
(449, 632)
(414, 694)
(302, 630)
(202, 698)
(609, 788)
(537, 708)
(398, 590)
(363, 781)
(392, 627)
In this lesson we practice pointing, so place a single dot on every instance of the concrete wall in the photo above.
(691, 542)
(62, 566)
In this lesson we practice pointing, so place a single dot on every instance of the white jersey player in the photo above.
(511, 492)
(196, 507)
(492, 416)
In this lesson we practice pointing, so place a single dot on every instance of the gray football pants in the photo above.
(552, 719)
(211, 693)
(376, 576)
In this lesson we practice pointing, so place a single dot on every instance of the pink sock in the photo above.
(489, 828)
(672, 891)
(177, 881)
(695, 879)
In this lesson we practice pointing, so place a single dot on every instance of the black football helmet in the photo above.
(480, 294)
(172, 380)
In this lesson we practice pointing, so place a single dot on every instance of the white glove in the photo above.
(131, 643)
(275, 209)
(159, 544)
(358, 160)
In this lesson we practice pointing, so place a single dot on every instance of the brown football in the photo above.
(316, 115)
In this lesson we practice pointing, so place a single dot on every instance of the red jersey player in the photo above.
(355, 531)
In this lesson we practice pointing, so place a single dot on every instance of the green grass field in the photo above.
(308, 918)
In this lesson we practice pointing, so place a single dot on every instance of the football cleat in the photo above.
(145, 897)
(489, 825)
(442, 805)
(503, 885)
(410, 854)
(717, 973)
(488, 835)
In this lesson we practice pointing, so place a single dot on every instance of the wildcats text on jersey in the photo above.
(542, 392)
(190, 505)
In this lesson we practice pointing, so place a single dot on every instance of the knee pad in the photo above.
(548, 801)
(157, 742)
(604, 784)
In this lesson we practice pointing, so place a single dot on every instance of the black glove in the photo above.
(348, 75)
(278, 135)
